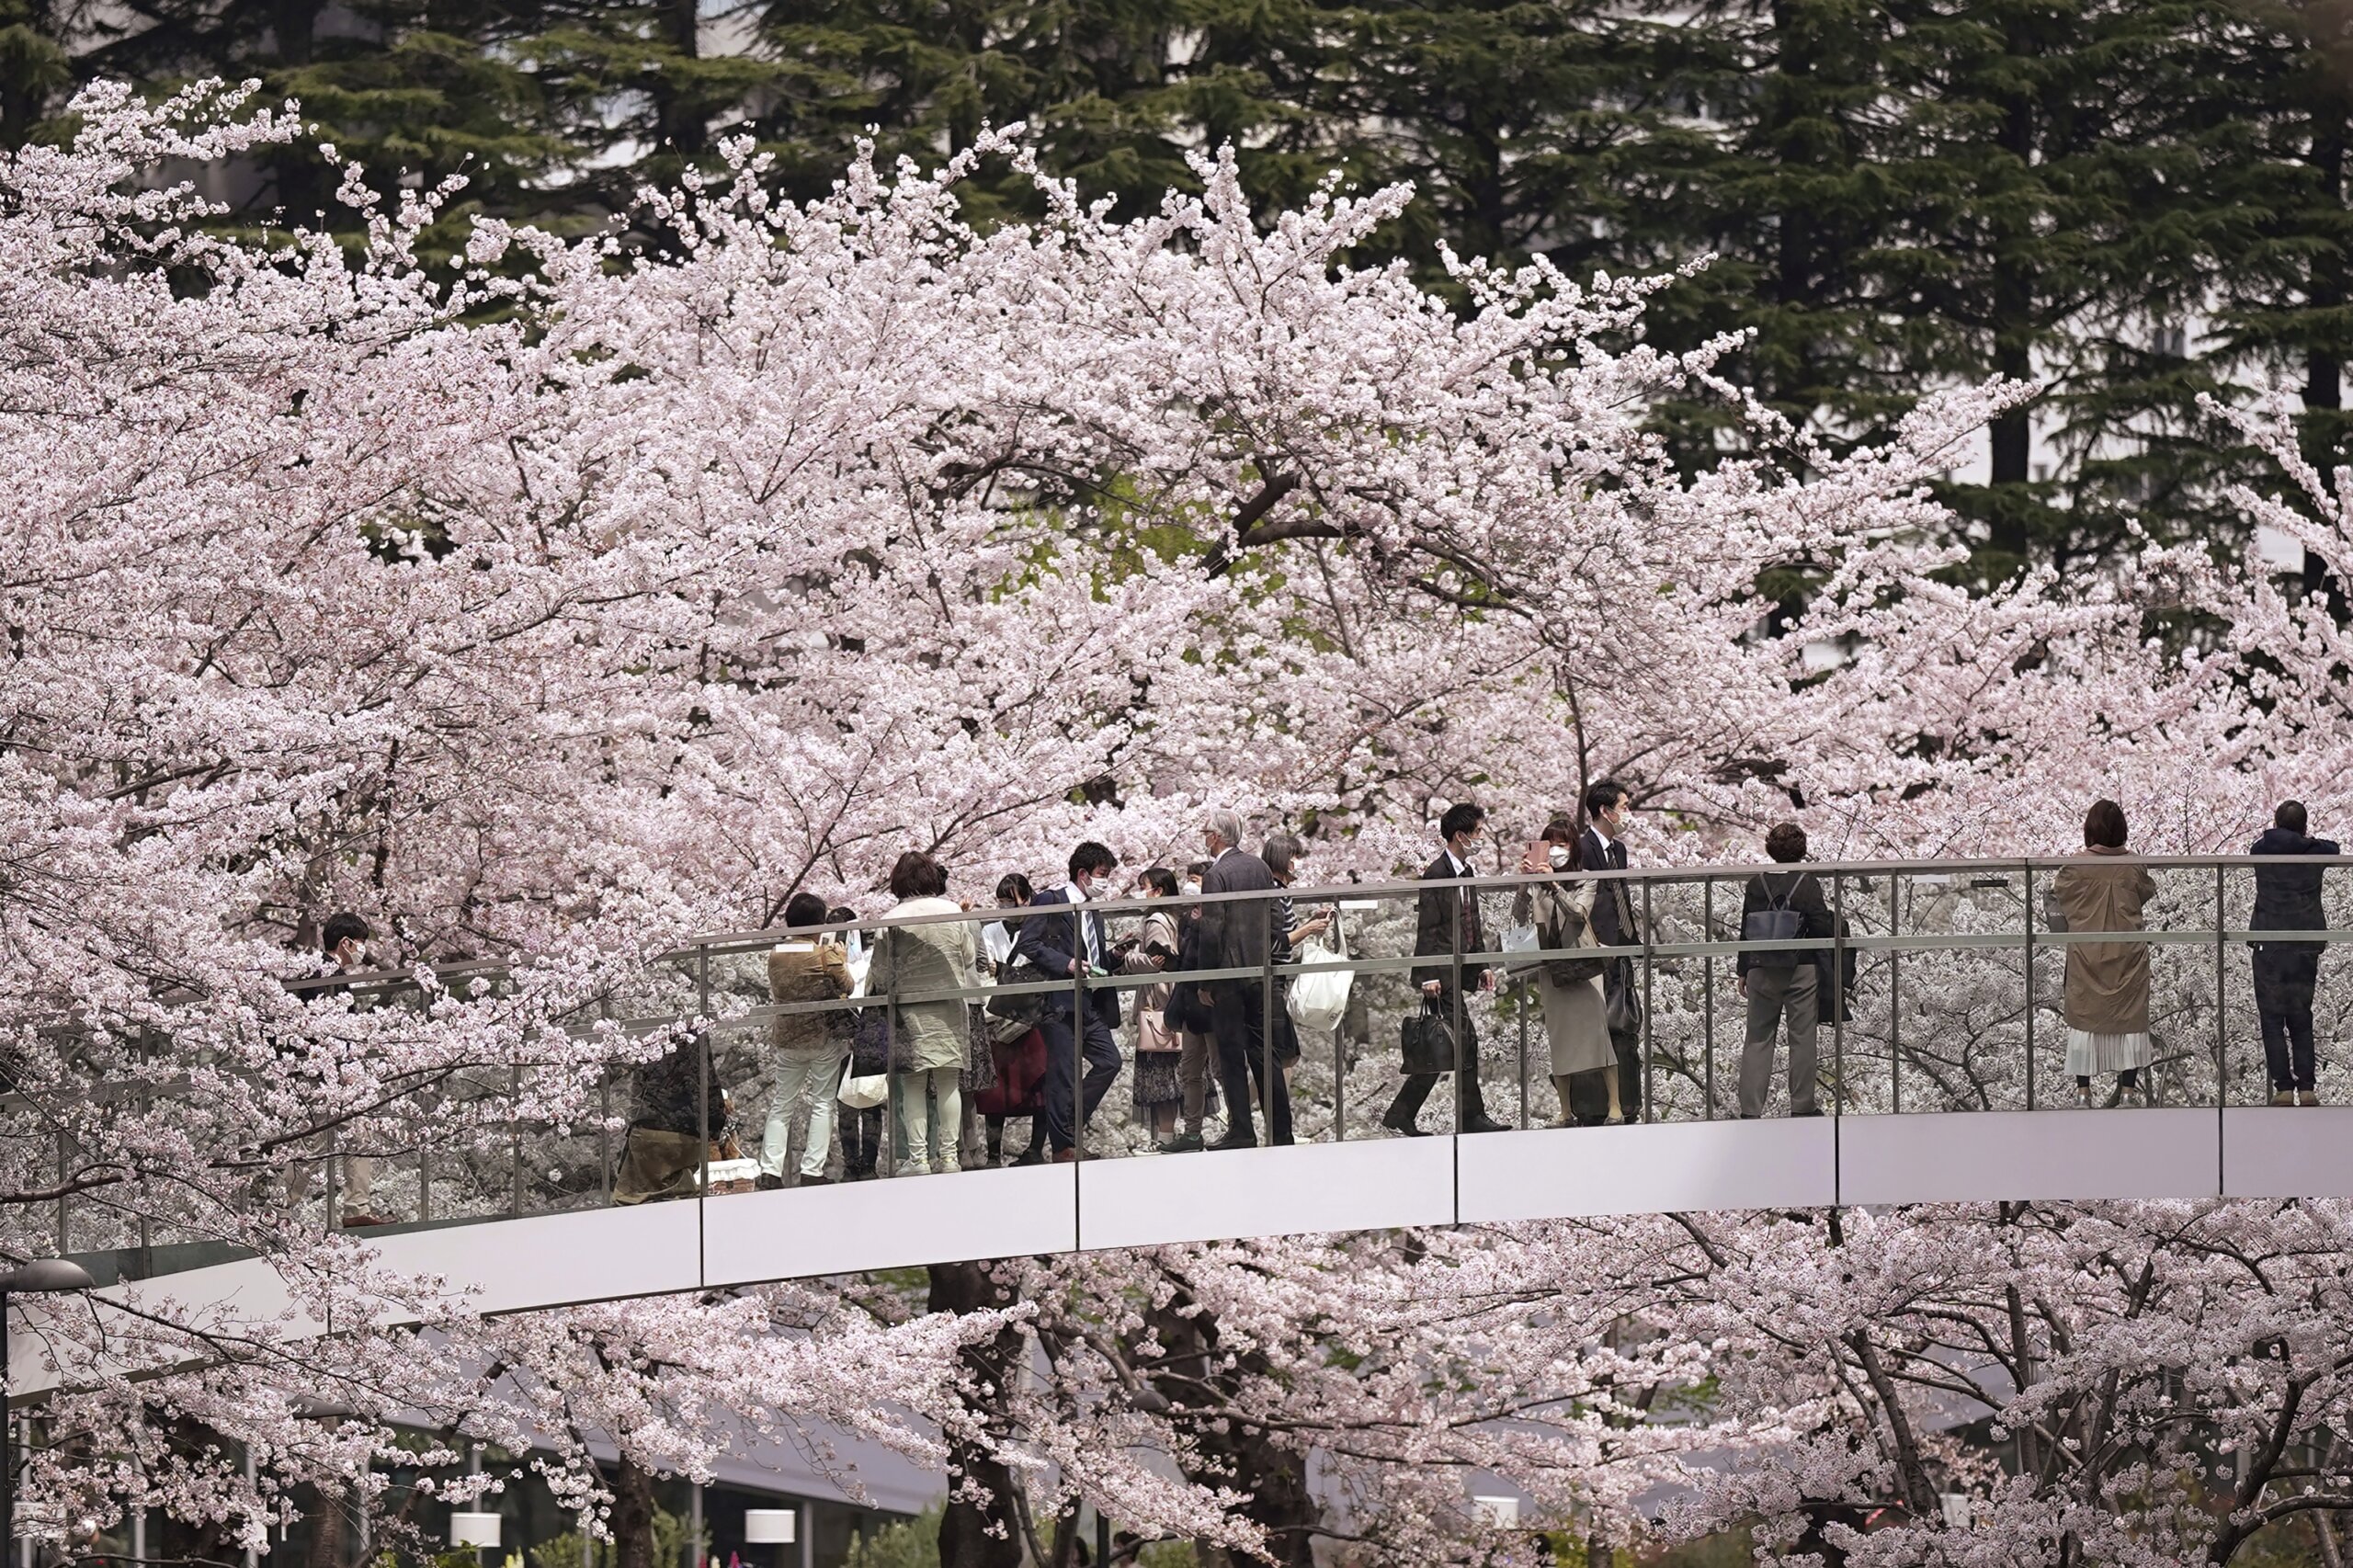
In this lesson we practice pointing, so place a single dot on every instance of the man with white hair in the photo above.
(1235, 935)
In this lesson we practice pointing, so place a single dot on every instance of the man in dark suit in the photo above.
(1238, 935)
(1446, 924)
(2286, 898)
(1613, 925)
(1074, 946)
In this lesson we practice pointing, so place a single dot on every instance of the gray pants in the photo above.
(1773, 995)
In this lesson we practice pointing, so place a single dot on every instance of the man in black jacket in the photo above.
(1784, 985)
(2286, 898)
(1238, 934)
(1446, 924)
(1614, 925)
(1073, 946)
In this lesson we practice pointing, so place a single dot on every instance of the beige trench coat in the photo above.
(2108, 983)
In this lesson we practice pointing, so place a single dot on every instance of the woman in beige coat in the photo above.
(2108, 983)
(929, 1038)
(1576, 1022)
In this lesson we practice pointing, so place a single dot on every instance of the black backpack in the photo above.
(1777, 922)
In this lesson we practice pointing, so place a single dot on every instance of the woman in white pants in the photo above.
(805, 1048)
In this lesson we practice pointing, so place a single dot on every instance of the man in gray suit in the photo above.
(1237, 934)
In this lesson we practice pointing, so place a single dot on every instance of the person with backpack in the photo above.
(1576, 1016)
(1783, 986)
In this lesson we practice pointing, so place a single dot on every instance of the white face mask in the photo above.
(1560, 856)
(1192, 888)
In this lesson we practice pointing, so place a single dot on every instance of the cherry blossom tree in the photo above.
(548, 612)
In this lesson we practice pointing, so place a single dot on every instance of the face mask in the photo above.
(1560, 856)
(1192, 888)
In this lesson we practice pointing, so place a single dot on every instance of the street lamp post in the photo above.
(43, 1275)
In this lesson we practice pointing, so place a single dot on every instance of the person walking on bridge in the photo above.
(1447, 925)
(1073, 947)
(1783, 987)
(1238, 934)
(2286, 898)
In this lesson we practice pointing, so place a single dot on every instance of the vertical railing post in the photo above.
(515, 1136)
(702, 1072)
(2221, 1028)
(1895, 995)
(1266, 1026)
(1649, 1100)
(1837, 989)
(1078, 1033)
(1708, 992)
(604, 1125)
(1454, 946)
(895, 1091)
(2030, 984)
(1523, 989)
(1339, 1033)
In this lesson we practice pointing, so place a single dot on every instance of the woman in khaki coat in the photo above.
(929, 1038)
(2108, 983)
(1576, 1021)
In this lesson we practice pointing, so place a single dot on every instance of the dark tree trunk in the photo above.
(634, 1517)
(1245, 1456)
(327, 1531)
(972, 1535)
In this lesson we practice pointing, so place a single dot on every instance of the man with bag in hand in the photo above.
(1447, 924)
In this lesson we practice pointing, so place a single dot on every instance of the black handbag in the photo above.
(1024, 1010)
(1623, 1007)
(1427, 1041)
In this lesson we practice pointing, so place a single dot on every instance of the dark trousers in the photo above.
(1470, 1101)
(1238, 1024)
(2285, 973)
(861, 1134)
(1062, 1072)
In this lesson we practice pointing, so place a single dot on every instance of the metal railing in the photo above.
(1940, 987)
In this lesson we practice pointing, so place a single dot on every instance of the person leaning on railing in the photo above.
(2286, 898)
(1783, 986)
(806, 1050)
(2108, 983)
(929, 1038)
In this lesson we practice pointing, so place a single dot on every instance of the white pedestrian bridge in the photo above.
(1939, 1077)
(554, 1260)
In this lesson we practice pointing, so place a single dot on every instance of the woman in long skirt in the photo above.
(1576, 1022)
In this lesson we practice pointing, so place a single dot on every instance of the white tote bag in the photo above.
(1521, 939)
(865, 1092)
(1319, 999)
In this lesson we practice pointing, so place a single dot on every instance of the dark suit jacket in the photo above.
(1237, 934)
(1049, 941)
(1800, 891)
(1441, 913)
(2286, 898)
(1614, 924)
